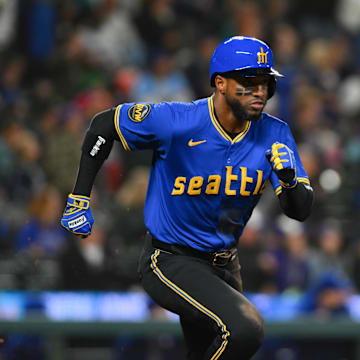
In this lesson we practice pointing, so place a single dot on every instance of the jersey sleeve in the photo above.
(144, 126)
(287, 138)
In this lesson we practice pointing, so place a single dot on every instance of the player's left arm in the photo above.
(295, 193)
(297, 202)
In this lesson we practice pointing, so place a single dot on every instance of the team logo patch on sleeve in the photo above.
(139, 112)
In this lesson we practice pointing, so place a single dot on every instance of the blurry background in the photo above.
(62, 61)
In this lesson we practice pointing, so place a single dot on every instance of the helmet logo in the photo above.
(262, 56)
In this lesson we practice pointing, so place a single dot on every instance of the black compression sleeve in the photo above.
(297, 202)
(96, 147)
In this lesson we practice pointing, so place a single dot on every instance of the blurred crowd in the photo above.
(64, 61)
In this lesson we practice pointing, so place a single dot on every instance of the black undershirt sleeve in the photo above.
(297, 202)
(96, 147)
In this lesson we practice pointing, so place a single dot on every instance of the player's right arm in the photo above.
(96, 147)
(136, 126)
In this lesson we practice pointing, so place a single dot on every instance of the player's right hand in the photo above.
(77, 217)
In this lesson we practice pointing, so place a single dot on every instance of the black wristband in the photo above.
(297, 202)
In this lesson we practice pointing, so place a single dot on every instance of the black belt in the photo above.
(220, 258)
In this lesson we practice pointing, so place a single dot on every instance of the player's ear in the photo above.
(220, 84)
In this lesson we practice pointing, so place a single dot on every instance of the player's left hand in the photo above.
(282, 160)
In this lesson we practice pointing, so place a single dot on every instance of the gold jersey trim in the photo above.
(117, 127)
(219, 128)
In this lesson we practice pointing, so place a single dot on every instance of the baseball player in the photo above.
(212, 159)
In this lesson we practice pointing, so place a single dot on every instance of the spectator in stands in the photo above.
(127, 216)
(24, 177)
(327, 256)
(38, 242)
(112, 39)
(60, 145)
(164, 82)
(40, 236)
(196, 72)
(292, 267)
(258, 265)
(328, 296)
(90, 264)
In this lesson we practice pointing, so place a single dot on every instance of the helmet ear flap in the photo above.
(271, 86)
(212, 80)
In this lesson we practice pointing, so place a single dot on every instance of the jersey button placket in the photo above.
(227, 162)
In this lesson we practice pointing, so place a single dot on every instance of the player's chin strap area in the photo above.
(220, 258)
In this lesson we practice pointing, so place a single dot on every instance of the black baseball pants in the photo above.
(218, 322)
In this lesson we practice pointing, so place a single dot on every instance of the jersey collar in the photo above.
(219, 128)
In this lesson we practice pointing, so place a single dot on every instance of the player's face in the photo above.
(247, 96)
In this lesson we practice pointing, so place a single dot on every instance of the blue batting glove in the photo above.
(282, 160)
(77, 217)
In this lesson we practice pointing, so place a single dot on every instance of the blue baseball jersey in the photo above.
(203, 185)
